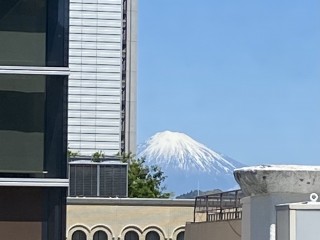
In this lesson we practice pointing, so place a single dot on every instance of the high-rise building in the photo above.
(33, 118)
(102, 86)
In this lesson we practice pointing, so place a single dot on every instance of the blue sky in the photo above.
(242, 77)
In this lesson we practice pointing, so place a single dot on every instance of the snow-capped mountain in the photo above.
(178, 150)
(188, 164)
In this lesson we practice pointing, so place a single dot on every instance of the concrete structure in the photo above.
(33, 119)
(102, 86)
(298, 221)
(118, 218)
(216, 216)
(269, 208)
(268, 186)
(222, 230)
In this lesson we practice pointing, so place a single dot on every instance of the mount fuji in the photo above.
(188, 164)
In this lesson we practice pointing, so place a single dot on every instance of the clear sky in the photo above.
(240, 76)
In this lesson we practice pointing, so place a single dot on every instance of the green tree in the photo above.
(144, 181)
(97, 156)
(71, 154)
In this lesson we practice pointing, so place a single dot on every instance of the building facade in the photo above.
(33, 118)
(127, 218)
(102, 86)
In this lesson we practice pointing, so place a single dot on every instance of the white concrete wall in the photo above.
(259, 213)
(131, 76)
(95, 79)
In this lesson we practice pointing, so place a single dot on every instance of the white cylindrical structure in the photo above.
(267, 186)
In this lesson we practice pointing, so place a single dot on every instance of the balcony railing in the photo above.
(218, 207)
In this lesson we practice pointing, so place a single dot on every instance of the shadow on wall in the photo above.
(226, 230)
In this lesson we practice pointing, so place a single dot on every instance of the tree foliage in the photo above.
(97, 156)
(71, 154)
(144, 181)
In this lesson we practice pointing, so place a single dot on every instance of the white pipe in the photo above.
(272, 232)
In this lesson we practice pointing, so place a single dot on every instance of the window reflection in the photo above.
(22, 106)
(32, 33)
(32, 126)
(23, 32)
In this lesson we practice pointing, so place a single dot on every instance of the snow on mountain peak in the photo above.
(178, 150)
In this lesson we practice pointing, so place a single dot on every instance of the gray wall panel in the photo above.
(95, 76)
(93, 99)
(94, 91)
(97, 129)
(90, 114)
(95, 22)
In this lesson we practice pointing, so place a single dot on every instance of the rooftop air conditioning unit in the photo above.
(98, 179)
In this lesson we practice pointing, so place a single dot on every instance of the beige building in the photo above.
(209, 217)
(127, 219)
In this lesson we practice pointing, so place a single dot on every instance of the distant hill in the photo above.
(194, 193)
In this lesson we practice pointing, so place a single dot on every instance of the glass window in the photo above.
(32, 110)
(32, 213)
(100, 235)
(22, 111)
(131, 235)
(180, 236)
(30, 35)
(152, 236)
(79, 235)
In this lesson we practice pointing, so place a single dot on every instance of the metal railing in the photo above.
(218, 207)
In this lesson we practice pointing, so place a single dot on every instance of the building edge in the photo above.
(129, 76)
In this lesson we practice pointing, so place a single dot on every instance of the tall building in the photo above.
(33, 118)
(102, 86)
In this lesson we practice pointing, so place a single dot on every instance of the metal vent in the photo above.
(83, 180)
(113, 180)
(98, 180)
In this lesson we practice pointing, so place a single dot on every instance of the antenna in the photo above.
(198, 188)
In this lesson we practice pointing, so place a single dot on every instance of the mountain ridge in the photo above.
(188, 164)
(181, 151)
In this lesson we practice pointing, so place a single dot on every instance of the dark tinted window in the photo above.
(79, 235)
(152, 236)
(23, 32)
(180, 236)
(32, 213)
(32, 110)
(32, 33)
(131, 235)
(22, 111)
(100, 235)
